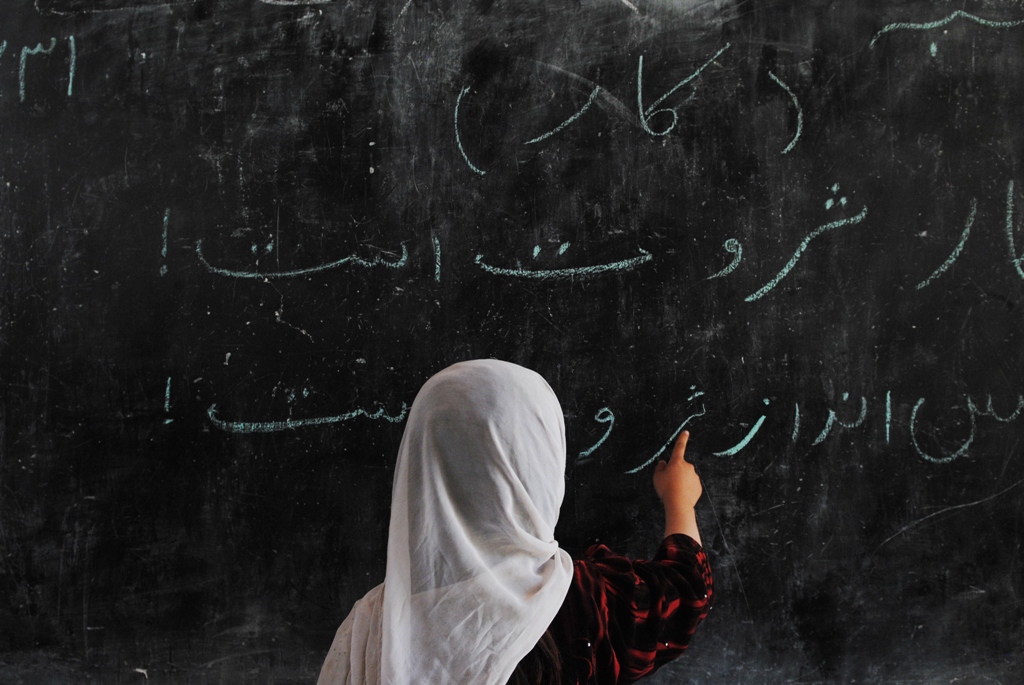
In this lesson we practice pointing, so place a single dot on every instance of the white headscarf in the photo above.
(474, 574)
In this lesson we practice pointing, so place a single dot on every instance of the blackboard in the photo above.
(236, 236)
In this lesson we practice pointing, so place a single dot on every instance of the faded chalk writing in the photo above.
(574, 272)
(292, 424)
(265, 275)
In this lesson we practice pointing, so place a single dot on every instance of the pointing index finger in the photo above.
(679, 450)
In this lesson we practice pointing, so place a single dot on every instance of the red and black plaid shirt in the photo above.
(623, 619)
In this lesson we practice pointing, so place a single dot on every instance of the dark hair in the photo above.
(541, 666)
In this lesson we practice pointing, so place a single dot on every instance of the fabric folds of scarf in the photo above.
(474, 574)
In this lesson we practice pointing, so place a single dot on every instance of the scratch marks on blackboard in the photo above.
(833, 420)
(958, 14)
(292, 424)
(799, 112)
(824, 228)
(733, 247)
(265, 275)
(573, 272)
(957, 250)
(574, 117)
(647, 114)
(458, 138)
(671, 440)
(1014, 259)
(603, 415)
(946, 510)
(746, 438)
(25, 53)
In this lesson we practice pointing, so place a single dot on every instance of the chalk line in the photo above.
(574, 117)
(957, 250)
(603, 415)
(670, 441)
(800, 250)
(458, 138)
(646, 115)
(376, 261)
(733, 246)
(799, 112)
(907, 26)
(582, 271)
(292, 424)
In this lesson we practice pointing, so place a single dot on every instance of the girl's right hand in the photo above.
(676, 481)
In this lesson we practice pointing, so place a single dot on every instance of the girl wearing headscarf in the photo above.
(477, 591)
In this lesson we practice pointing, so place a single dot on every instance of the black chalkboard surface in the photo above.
(237, 235)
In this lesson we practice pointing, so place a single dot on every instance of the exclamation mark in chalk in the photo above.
(167, 400)
(163, 249)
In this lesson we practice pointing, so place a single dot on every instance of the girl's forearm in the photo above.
(681, 519)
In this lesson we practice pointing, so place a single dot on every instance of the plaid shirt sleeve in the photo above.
(623, 619)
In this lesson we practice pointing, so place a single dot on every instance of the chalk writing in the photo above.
(265, 275)
(733, 247)
(765, 289)
(437, 258)
(959, 452)
(163, 247)
(167, 400)
(973, 412)
(647, 114)
(574, 117)
(833, 419)
(669, 442)
(458, 138)
(957, 250)
(829, 203)
(746, 439)
(888, 414)
(796, 422)
(958, 14)
(573, 272)
(1014, 259)
(292, 424)
(25, 52)
(77, 7)
(603, 415)
(799, 112)
(990, 412)
(73, 47)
